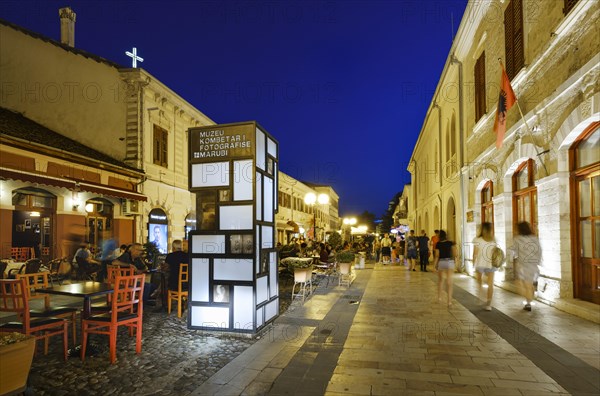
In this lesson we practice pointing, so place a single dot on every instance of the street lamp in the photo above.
(311, 199)
(348, 222)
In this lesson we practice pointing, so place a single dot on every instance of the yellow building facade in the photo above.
(547, 171)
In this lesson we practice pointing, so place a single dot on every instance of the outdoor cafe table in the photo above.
(87, 290)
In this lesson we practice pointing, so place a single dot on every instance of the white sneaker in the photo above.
(488, 308)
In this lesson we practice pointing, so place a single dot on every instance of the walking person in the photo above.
(423, 250)
(411, 250)
(434, 240)
(386, 248)
(377, 249)
(528, 255)
(484, 246)
(402, 248)
(445, 258)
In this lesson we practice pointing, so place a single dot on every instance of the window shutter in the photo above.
(480, 94)
(569, 4)
(508, 38)
(156, 145)
(519, 50)
(164, 147)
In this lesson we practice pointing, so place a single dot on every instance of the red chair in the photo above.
(13, 298)
(112, 271)
(126, 310)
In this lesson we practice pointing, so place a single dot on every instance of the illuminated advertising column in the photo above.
(233, 262)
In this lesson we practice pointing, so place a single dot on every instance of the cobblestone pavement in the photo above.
(174, 359)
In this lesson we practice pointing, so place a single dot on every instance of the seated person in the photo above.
(173, 259)
(133, 256)
(84, 254)
(323, 254)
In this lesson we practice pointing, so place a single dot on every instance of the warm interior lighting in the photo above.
(34, 214)
(301, 230)
(89, 208)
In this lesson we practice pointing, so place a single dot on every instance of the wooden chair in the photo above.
(31, 266)
(58, 269)
(13, 298)
(39, 281)
(112, 271)
(3, 265)
(126, 310)
(181, 292)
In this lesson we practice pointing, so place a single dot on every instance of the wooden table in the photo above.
(87, 290)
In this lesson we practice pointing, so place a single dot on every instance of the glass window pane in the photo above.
(585, 202)
(596, 194)
(586, 238)
(527, 208)
(587, 151)
(523, 179)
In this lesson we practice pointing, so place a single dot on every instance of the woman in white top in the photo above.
(484, 247)
(528, 255)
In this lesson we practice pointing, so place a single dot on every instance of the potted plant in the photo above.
(345, 257)
(16, 356)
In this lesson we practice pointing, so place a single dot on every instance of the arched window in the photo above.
(487, 206)
(190, 223)
(525, 195)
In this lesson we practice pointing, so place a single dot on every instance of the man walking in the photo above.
(423, 250)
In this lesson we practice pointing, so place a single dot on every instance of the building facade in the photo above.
(547, 171)
(132, 120)
(296, 218)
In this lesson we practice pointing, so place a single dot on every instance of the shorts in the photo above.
(386, 251)
(484, 270)
(445, 264)
(412, 254)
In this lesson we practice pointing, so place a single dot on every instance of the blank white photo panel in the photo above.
(271, 147)
(243, 307)
(214, 174)
(271, 309)
(236, 217)
(262, 290)
(273, 274)
(258, 196)
(267, 237)
(260, 149)
(210, 317)
(268, 198)
(208, 244)
(233, 269)
(260, 312)
(242, 180)
(200, 279)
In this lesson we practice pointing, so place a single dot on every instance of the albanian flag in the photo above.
(506, 100)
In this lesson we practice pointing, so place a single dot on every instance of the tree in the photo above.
(367, 218)
(335, 240)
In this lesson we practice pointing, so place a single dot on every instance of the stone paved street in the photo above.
(386, 334)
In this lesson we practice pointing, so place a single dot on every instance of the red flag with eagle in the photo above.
(506, 100)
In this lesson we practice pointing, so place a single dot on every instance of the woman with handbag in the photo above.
(485, 245)
(528, 255)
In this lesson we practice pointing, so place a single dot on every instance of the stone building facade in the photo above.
(547, 171)
(130, 118)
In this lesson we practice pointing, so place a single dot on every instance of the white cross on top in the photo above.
(134, 56)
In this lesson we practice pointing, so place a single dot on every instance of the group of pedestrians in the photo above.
(526, 252)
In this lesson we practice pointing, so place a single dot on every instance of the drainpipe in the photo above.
(461, 134)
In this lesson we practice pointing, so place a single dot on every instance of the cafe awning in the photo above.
(37, 178)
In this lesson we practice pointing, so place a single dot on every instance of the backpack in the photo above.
(498, 257)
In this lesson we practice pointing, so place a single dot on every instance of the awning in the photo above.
(293, 225)
(69, 184)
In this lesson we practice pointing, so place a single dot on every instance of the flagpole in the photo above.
(535, 146)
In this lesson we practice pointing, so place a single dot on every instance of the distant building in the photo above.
(295, 218)
(547, 174)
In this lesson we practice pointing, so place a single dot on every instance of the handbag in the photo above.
(498, 257)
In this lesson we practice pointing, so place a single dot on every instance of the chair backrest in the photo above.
(113, 271)
(128, 292)
(32, 266)
(3, 265)
(33, 282)
(183, 277)
(13, 297)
